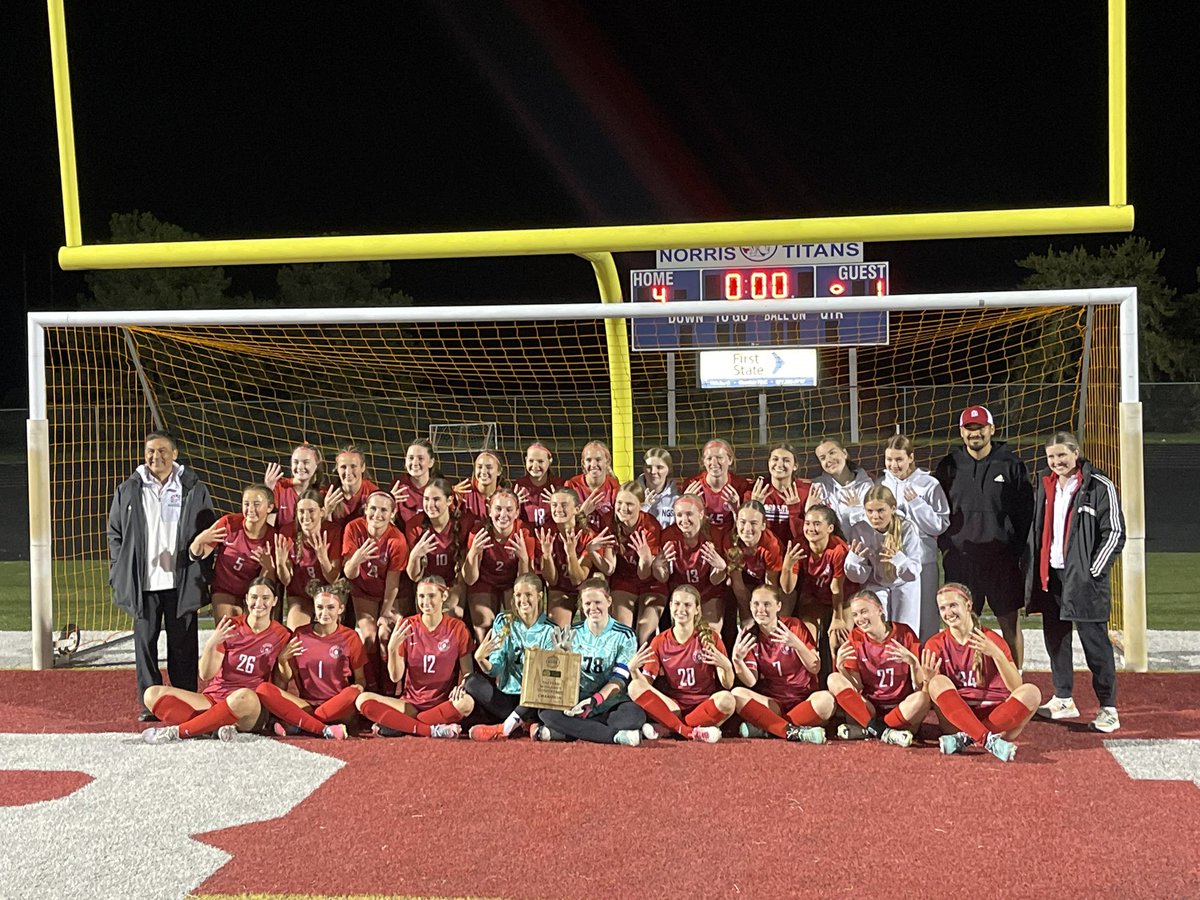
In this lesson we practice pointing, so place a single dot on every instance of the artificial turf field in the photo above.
(88, 810)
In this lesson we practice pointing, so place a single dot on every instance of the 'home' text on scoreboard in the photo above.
(759, 286)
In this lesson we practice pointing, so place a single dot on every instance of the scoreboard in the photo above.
(758, 326)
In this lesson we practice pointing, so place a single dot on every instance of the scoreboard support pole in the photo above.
(853, 362)
(672, 437)
(762, 418)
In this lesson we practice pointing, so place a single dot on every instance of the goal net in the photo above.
(239, 396)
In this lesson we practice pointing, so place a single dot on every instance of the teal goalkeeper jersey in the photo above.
(601, 652)
(508, 659)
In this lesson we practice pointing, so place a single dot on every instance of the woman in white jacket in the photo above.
(841, 485)
(885, 557)
(921, 500)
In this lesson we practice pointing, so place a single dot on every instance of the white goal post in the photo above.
(1130, 418)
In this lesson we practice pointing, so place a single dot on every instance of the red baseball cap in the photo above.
(975, 415)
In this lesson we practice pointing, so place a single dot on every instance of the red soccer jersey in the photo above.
(679, 670)
(816, 572)
(608, 496)
(536, 510)
(715, 503)
(783, 521)
(625, 575)
(885, 682)
(431, 660)
(443, 560)
(234, 566)
(305, 565)
(249, 658)
(958, 664)
(412, 506)
(690, 566)
(352, 507)
(781, 674)
(499, 564)
(327, 663)
(757, 562)
(582, 538)
(392, 556)
(473, 502)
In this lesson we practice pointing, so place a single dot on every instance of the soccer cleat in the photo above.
(705, 734)
(1106, 720)
(1005, 751)
(166, 735)
(282, 730)
(335, 733)
(814, 734)
(652, 731)
(954, 743)
(452, 730)
(897, 737)
(1058, 708)
(487, 733)
(540, 732)
(747, 730)
(851, 731)
(226, 733)
(385, 732)
(631, 737)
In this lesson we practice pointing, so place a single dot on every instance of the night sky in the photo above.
(245, 120)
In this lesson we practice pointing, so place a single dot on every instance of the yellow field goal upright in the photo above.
(239, 388)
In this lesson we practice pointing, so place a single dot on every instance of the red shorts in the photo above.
(637, 587)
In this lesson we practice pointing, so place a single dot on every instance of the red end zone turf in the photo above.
(742, 818)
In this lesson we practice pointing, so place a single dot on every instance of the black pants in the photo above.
(1097, 650)
(183, 643)
(601, 729)
(493, 706)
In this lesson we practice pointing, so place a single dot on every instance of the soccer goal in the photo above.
(240, 388)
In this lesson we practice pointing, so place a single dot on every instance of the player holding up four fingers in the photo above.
(776, 661)
(784, 496)
(974, 683)
(604, 713)
(660, 487)
(753, 555)
(534, 488)
(816, 566)
(879, 679)
(692, 554)
(496, 554)
(496, 687)
(719, 489)
(244, 544)
(430, 655)
(437, 541)
(885, 557)
(240, 654)
(313, 551)
(682, 679)
(562, 556)
(375, 555)
(596, 486)
(420, 467)
(308, 474)
(842, 484)
(475, 493)
(637, 596)
(327, 663)
(347, 496)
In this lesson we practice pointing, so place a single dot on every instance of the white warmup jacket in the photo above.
(847, 515)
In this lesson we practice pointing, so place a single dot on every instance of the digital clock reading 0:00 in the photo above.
(784, 283)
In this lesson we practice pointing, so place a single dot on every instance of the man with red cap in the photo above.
(991, 510)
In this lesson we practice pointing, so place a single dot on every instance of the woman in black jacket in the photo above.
(1078, 531)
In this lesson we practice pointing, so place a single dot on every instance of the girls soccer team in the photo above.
(731, 560)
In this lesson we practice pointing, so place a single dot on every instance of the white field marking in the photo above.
(128, 832)
(1158, 760)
